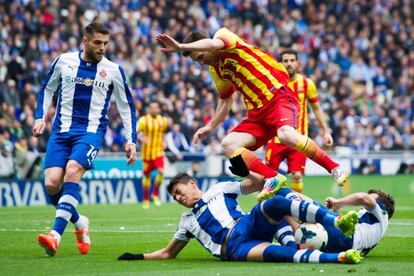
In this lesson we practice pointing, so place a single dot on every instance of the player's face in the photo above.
(209, 58)
(185, 194)
(154, 109)
(95, 46)
(291, 63)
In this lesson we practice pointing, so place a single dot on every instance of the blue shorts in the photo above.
(82, 148)
(250, 230)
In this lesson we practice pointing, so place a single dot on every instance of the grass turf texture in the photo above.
(119, 228)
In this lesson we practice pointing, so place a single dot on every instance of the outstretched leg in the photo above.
(277, 207)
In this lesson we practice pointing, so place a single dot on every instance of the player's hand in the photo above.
(130, 257)
(131, 153)
(202, 133)
(327, 139)
(170, 44)
(331, 203)
(38, 128)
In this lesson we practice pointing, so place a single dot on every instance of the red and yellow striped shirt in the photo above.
(306, 90)
(250, 70)
(153, 129)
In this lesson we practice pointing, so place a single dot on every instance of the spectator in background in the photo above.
(6, 156)
(176, 142)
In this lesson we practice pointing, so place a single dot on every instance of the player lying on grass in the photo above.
(376, 208)
(218, 223)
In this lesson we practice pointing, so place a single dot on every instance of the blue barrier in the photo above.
(93, 191)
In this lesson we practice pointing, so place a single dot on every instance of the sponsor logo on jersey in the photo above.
(86, 81)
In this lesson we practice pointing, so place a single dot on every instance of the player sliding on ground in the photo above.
(218, 223)
(377, 208)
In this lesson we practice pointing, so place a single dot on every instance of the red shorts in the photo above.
(263, 123)
(276, 153)
(150, 165)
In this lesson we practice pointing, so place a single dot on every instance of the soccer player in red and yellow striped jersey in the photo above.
(236, 65)
(305, 88)
(152, 128)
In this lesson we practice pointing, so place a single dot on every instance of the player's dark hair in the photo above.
(191, 37)
(386, 199)
(289, 52)
(96, 27)
(179, 178)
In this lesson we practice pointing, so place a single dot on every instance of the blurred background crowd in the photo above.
(359, 53)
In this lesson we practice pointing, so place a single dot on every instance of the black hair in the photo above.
(289, 52)
(179, 178)
(386, 199)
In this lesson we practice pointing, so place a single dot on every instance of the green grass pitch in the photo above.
(119, 228)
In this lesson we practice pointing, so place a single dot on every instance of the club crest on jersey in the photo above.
(102, 73)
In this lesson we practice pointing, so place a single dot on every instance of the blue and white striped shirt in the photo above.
(84, 92)
(211, 218)
(370, 228)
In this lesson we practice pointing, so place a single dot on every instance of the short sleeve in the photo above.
(182, 233)
(312, 92)
(227, 37)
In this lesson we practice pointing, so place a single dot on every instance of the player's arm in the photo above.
(253, 183)
(45, 97)
(126, 109)
(207, 44)
(169, 252)
(322, 123)
(317, 110)
(222, 110)
(356, 199)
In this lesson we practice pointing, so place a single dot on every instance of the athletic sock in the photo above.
(297, 186)
(54, 199)
(252, 162)
(314, 152)
(146, 182)
(284, 234)
(157, 183)
(277, 207)
(66, 206)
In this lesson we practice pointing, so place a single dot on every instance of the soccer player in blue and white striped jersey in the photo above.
(217, 222)
(376, 209)
(84, 82)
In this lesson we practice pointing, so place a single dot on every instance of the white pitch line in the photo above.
(402, 223)
(91, 230)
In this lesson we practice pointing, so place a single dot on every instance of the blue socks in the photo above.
(66, 207)
(277, 207)
(280, 253)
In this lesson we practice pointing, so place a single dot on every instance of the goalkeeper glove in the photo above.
(130, 257)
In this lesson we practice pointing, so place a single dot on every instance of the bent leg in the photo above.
(267, 252)
(242, 160)
(277, 207)
(289, 136)
(53, 183)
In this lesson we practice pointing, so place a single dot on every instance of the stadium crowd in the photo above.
(359, 53)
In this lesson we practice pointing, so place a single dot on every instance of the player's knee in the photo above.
(287, 135)
(227, 146)
(296, 176)
(52, 185)
(73, 173)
